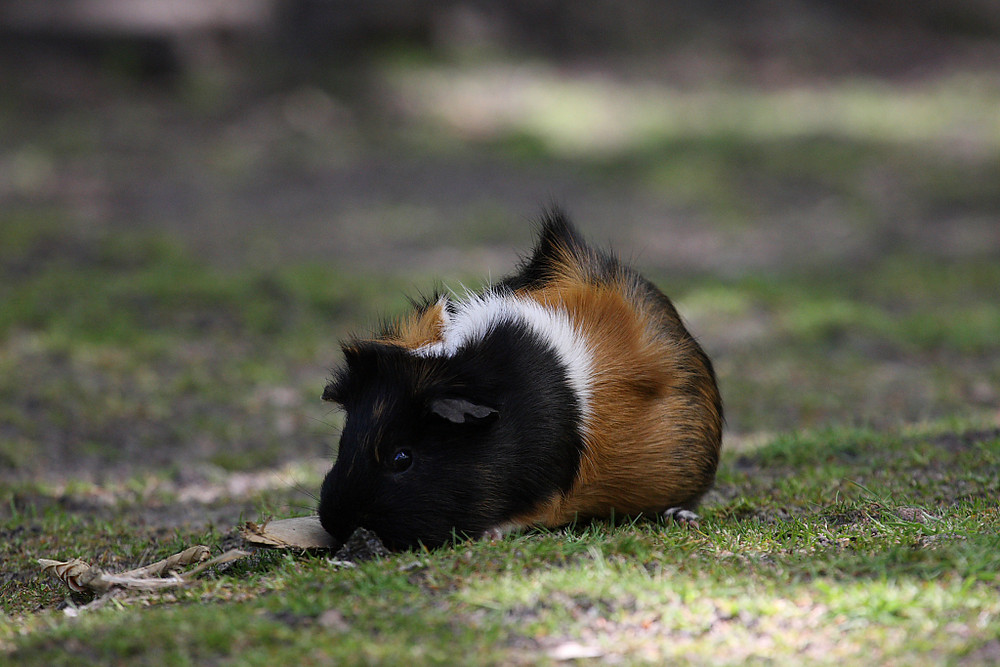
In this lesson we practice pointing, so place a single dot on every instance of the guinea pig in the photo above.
(569, 390)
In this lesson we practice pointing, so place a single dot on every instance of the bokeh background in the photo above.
(198, 199)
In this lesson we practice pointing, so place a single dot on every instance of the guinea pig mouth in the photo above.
(390, 535)
(398, 532)
(343, 530)
(337, 524)
(391, 541)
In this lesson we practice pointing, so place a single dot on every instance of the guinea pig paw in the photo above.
(684, 517)
(493, 534)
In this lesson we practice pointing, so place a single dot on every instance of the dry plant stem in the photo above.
(228, 557)
(80, 576)
(194, 554)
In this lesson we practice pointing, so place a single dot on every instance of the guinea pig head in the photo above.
(410, 464)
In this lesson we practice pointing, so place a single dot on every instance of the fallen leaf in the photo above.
(299, 533)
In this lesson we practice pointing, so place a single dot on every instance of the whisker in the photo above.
(308, 508)
(297, 486)
(331, 425)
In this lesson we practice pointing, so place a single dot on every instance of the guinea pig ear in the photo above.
(359, 360)
(461, 411)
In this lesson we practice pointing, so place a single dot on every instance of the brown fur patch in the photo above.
(653, 436)
(420, 328)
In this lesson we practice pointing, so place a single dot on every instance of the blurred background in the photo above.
(198, 198)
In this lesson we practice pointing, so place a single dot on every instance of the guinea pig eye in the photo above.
(401, 460)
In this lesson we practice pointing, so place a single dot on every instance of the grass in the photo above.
(124, 289)
(150, 400)
(870, 544)
(811, 548)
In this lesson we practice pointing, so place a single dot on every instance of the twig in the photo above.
(81, 576)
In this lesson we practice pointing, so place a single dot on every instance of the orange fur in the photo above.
(420, 328)
(653, 436)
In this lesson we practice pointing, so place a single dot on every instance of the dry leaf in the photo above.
(76, 574)
(299, 533)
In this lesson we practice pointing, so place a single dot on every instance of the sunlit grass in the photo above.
(580, 113)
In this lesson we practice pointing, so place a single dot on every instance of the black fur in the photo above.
(522, 446)
(555, 235)
(487, 434)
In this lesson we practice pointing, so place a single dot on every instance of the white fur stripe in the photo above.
(477, 316)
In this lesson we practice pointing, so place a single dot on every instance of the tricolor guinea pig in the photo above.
(569, 390)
